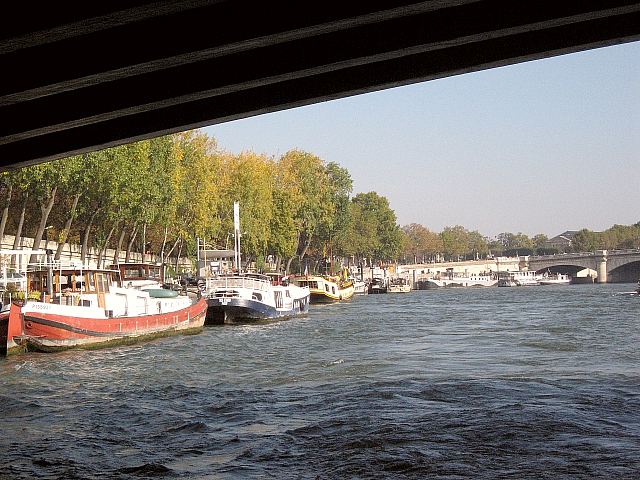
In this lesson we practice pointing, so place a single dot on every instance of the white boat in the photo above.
(451, 279)
(399, 285)
(360, 287)
(555, 279)
(252, 296)
(519, 279)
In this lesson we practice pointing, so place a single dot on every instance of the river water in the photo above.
(531, 382)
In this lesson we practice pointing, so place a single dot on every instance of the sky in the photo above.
(538, 147)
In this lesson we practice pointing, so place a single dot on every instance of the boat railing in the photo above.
(238, 282)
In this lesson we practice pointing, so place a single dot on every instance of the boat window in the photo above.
(36, 282)
(133, 272)
(92, 284)
(154, 272)
(278, 299)
(256, 296)
(288, 294)
(333, 289)
(326, 287)
(101, 283)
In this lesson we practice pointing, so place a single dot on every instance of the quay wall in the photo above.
(71, 253)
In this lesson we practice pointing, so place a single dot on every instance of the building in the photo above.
(561, 242)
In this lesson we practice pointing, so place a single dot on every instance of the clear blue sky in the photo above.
(537, 147)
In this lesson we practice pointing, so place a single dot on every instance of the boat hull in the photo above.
(325, 290)
(231, 310)
(399, 289)
(460, 283)
(11, 330)
(49, 332)
(322, 296)
(555, 282)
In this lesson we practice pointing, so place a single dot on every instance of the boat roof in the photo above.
(68, 269)
(260, 276)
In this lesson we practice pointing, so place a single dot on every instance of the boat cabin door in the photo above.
(102, 287)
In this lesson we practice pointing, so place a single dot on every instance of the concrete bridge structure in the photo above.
(155, 67)
(609, 265)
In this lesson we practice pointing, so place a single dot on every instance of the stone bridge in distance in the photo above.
(609, 265)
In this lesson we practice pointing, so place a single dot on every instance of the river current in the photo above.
(530, 382)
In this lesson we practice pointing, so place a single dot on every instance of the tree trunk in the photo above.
(44, 218)
(305, 248)
(116, 254)
(67, 227)
(103, 249)
(85, 238)
(175, 244)
(179, 253)
(132, 238)
(144, 242)
(164, 244)
(5, 213)
(16, 241)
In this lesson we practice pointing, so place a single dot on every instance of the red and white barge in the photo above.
(89, 308)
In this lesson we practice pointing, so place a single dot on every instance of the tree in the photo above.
(455, 241)
(539, 240)
(421, 242)
(477, 244)
(585, 241)
(251, 184)
(311, 195)
(388, 234)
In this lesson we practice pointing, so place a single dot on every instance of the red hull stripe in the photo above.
(64, 326)
(126, 326)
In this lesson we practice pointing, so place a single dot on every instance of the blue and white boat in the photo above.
(234, 298)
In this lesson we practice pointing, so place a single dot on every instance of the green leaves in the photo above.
(181, 186)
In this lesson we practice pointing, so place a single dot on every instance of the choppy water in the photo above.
(535, 382)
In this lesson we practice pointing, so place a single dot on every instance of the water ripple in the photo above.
(456, 384)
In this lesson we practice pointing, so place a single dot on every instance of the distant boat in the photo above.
(89, 308)
(519, 279)
(451, 279)
(360, 287)
(399, 285)
(325, 289)
(250, 296)
(555, 279)
(377, 285)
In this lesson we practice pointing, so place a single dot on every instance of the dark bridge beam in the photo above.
(107, 76)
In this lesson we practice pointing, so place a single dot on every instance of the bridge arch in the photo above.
(625, 273)
(567, 269)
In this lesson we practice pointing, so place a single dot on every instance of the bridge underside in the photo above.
(80, 78)
(626, 273)
(571, 270)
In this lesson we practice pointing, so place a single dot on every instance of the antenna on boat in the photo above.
(236, 234)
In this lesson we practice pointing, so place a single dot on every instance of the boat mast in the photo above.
(236, 234)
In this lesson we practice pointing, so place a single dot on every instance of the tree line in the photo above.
(160, 195)
(457, 243)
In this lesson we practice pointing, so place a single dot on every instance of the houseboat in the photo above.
(325, 289)
(80, 307)
(399, 285)
(245, 297)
